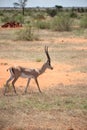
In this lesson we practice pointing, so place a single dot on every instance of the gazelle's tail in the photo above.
(11, 69)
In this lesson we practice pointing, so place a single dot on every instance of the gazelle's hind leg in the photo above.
(7, 83)
(13, 82)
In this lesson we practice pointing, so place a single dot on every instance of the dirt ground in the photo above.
(63, 80)
(61, 74)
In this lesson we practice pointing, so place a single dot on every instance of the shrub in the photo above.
(73, 14)
(27, 33)
(83, 22)
(40, 16)
(42, 24)
(62, 23)
(51, 12)
(38, 60)
(6, 18)
(19, 18)
(12, 17)
(1, 13)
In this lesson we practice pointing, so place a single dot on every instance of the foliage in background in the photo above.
(19, 18)
(51, 12)
(27, 33)
(73, 14)
(83, 22)
(22, 4)
(62, 22)
(43, 24)
(57, 18)
(10, 18)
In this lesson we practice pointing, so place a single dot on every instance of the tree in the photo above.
(58, 7)
(51, 12)
(22, 4)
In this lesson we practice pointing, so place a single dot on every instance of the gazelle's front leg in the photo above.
(27, 85)
(7, 83)
(37, 85)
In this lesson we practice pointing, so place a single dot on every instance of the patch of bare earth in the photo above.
(61, 106)
(61, 74)
(62, 82)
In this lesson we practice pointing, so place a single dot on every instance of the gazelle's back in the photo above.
(23, 72)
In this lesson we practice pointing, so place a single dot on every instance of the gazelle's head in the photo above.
(48, 63)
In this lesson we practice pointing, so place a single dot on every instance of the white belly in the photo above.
(26, 76)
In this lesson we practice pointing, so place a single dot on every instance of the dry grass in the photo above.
(61, 107)
(56, 108)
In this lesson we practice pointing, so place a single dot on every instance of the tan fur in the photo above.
(29, 73)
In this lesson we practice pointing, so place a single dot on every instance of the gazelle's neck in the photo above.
(43, 68)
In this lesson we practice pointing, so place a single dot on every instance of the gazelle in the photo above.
(19, 71)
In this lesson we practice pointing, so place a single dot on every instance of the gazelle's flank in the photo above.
(19, 71)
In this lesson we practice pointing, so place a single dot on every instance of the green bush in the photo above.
(62, 23)
(19, 18)
(42, 24)
(83, 22)
(39, 16)
(51, 12)
(38, 60)
(27, 34)
(13, 17)
(73, 14)
(6, 18)
(1, 13)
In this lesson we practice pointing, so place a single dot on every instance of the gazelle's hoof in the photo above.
(25, 92)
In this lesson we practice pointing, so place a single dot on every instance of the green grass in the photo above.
(45, 101)
(38, 60)
(57, 105)
(23, 50)
(65, 102)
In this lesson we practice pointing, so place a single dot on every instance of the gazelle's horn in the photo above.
(47, 54)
